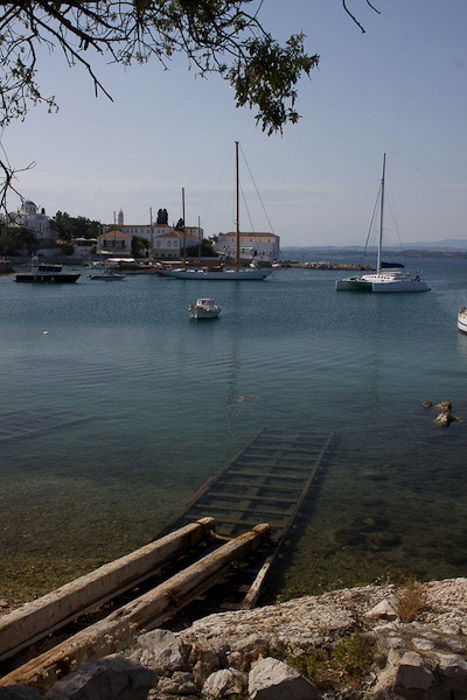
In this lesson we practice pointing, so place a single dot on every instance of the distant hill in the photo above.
(445, 244)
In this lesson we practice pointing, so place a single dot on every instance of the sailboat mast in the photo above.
(381, 218)
(237, 197)
(184, 229)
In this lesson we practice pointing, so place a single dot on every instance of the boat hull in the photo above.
(217, 275)
(381, 283)
(353, 284)
(201, 315)
(51, 278)
(462, 321)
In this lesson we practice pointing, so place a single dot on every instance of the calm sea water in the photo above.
(115, 408)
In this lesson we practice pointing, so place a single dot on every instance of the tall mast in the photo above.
(381, 218)
(184, 230)
(237, 196)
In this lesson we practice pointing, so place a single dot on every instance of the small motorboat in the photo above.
(462, 319)
(204, 308)
(109, 274)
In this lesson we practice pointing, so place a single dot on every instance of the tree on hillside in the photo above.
(224, 37)
(69, 227)
(17, 240)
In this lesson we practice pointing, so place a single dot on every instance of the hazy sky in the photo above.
(399, 88)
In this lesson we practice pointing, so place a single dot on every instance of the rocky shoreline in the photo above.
(375, 642)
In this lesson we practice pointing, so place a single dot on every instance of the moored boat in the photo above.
(46, 272)
(236, 272)
(204, 308)
(107, 275)
(384, 279)
(462, 319)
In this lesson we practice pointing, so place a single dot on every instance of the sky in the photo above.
(400, 88)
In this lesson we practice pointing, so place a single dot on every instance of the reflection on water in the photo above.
(125, 407)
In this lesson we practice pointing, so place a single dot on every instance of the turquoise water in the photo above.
(115, 408)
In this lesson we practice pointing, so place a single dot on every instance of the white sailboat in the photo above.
(235, 273)
(384, 279)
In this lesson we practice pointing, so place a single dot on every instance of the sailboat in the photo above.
(384, 279)
(235, 273)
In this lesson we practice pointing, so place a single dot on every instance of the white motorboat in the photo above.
(384, 279)
(46, 272)
(108, 274)
(462, 319)
(204, 308)
(235, 273)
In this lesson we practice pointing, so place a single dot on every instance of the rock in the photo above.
(387, 609)
(111, 678)
(208, 662)
(179, 684)
(427, 404)
(423, 644)
(444, 416)
(271, 679)
(224, 683)
(19, 692)
(414, 673)
(454, 668)
(161, 650)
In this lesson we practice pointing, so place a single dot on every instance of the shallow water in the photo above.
(115, 408)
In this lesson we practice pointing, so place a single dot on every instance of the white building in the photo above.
(152, 232)
(37, 222)
(174, 244)
(259, 247)
(114, 242)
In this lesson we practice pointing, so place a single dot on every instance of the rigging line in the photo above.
(372, 221)
(392, 209)
(245, 203)
(257, 191)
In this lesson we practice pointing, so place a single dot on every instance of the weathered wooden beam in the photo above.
(146, 612)
(40, 617)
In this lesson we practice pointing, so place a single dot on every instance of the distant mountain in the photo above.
(445, 244)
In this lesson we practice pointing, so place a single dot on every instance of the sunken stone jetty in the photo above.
(372, 642)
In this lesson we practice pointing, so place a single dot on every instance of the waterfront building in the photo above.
(171, 243)
(115, 242)
(36, 221)
(259, 247)
(175, 244)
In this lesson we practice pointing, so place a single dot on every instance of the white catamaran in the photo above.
(235, 273)
(384, 279)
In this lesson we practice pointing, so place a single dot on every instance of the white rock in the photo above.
(387, 608)
(223, 683)
(161, 650)
(271, 679)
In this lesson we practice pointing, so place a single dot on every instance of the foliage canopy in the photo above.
(225, 37)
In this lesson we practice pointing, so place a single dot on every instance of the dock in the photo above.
(215, 556)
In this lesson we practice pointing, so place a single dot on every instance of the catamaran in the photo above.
(384, 279)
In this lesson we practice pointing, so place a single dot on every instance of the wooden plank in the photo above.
(235, 497)
(252, 511)
(40, 617)
(146, 612)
